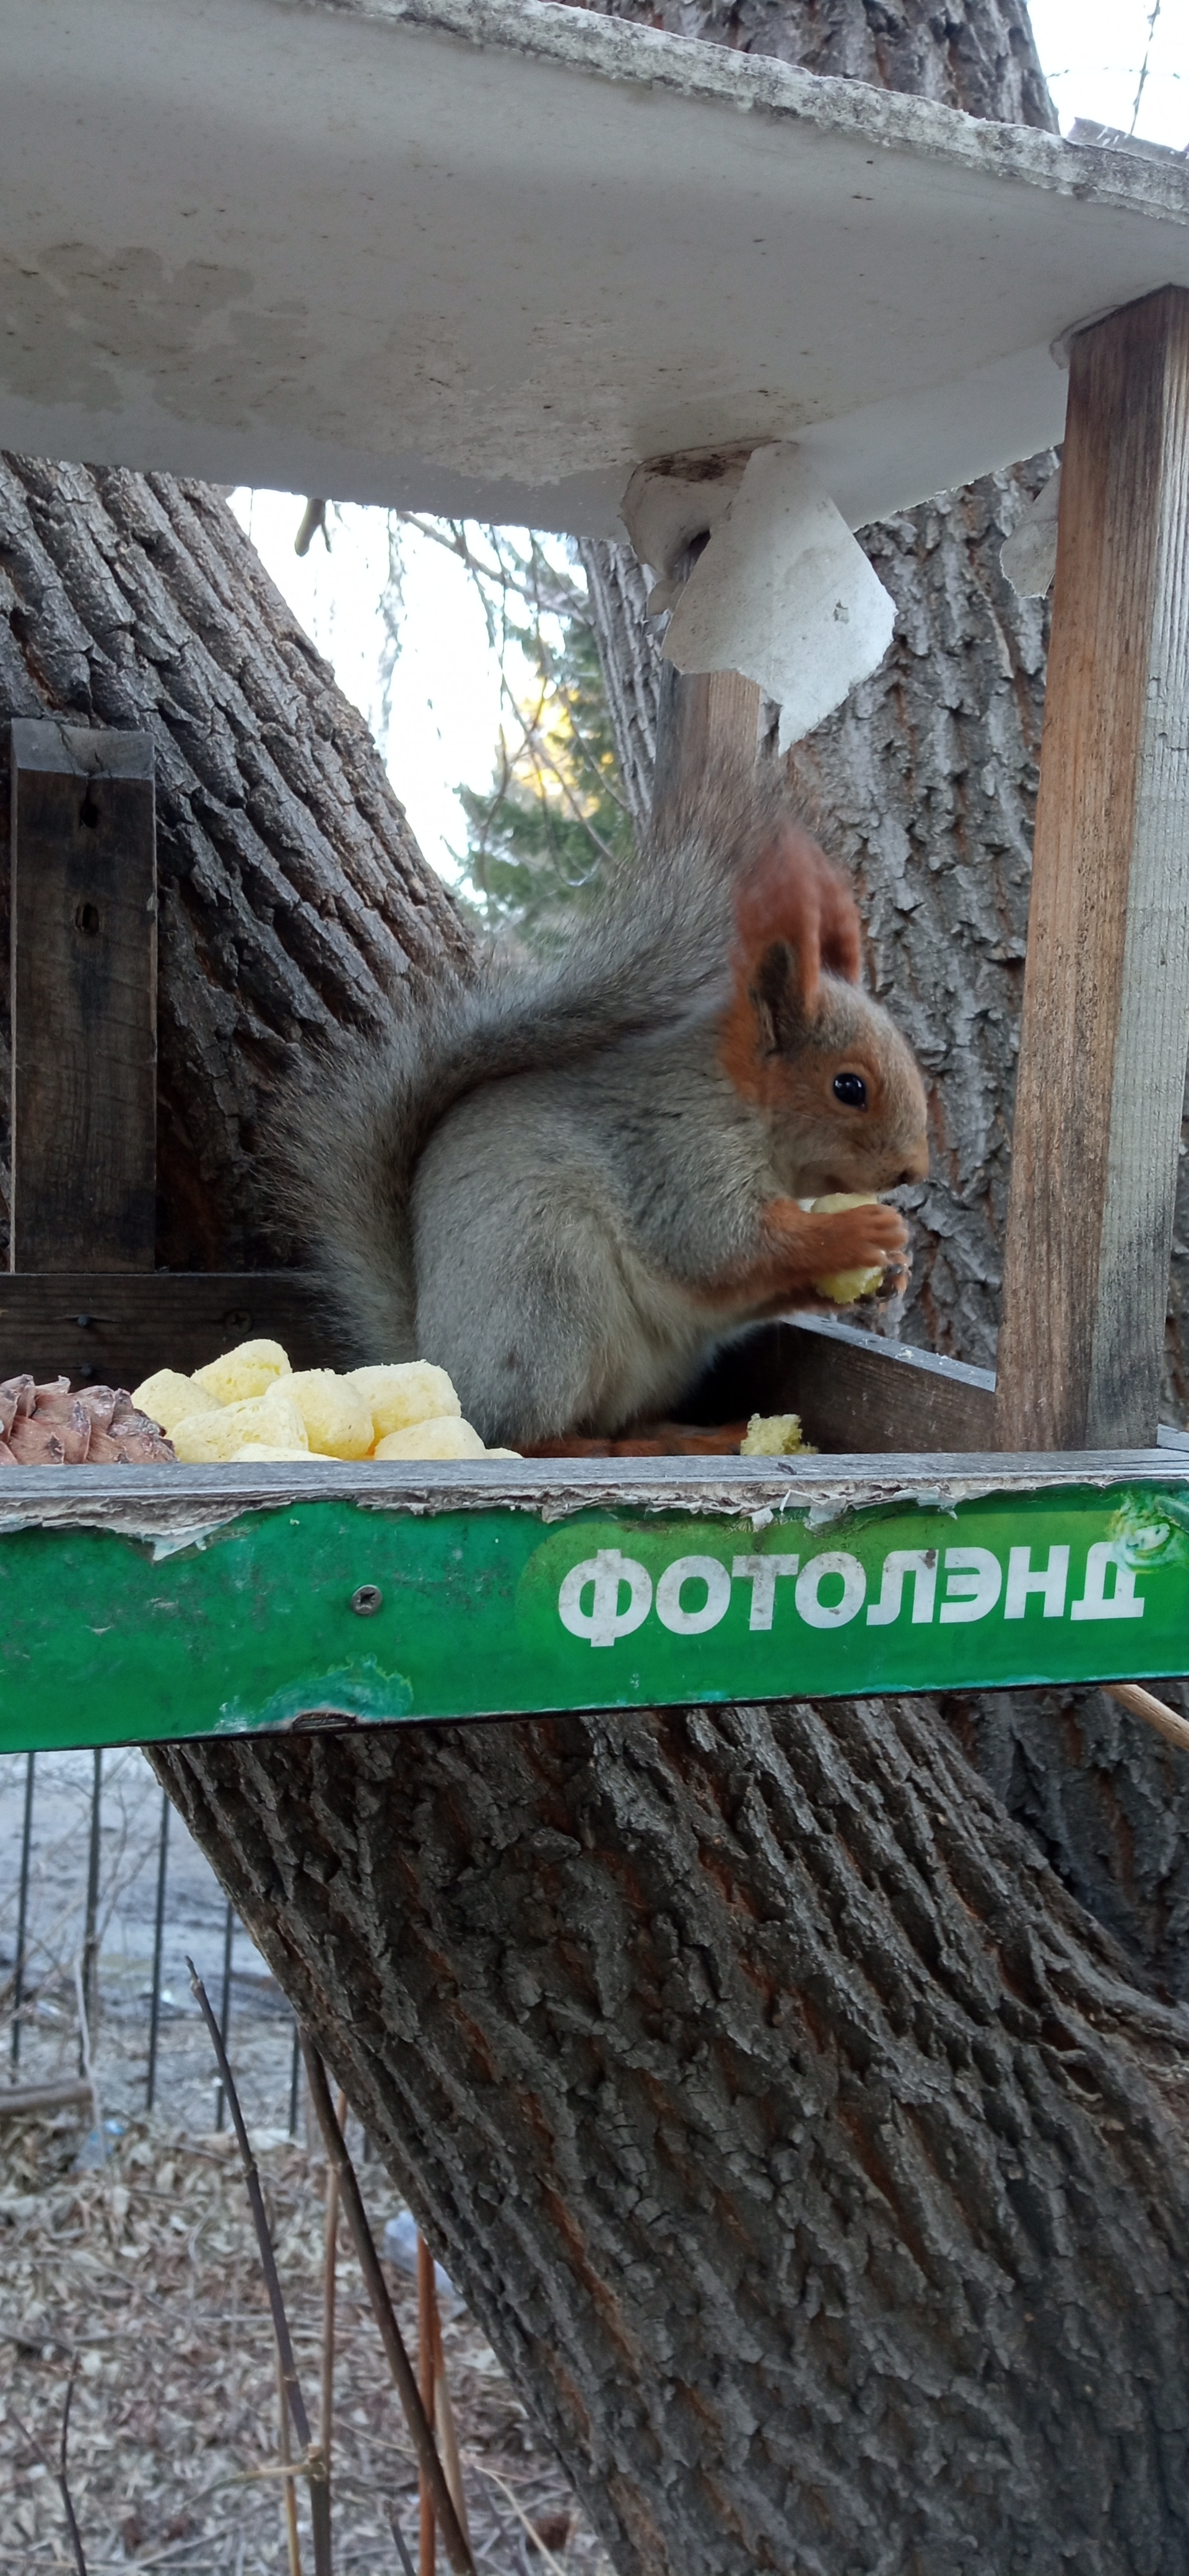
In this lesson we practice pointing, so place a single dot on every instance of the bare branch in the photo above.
(391, 2337)
(59, 2474)
(314, 2464)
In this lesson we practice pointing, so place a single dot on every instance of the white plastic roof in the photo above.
(473, 257)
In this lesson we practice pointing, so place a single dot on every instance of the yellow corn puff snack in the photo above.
(336, 1416)
(202, 1439)
(447, 1436)
(775, 1435)
(404, 1392)
(843, 1286)
(255, 1452)
(244, 1372)
(168, 1398)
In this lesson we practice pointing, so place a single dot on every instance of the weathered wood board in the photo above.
(852, 1389)
(1097, 1126)
(615, 244)
(173, 1602)
(117, 1328)
(84, 998)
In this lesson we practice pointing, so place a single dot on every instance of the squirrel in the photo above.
(565, 1181)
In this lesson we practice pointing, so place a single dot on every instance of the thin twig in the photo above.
(427, 2372)
(518, 2509)
(58, 2474)
(532, 748)
(290, 2499)
(314, 2464)
(329, 2283)
(399, 2537)
(1143, 77)
(76, 2538)
(555, 596)
(443, 2410)
(457, 2549)
(1154, 1712)
(86, 2068)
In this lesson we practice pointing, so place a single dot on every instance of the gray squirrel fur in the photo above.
(547, 1180)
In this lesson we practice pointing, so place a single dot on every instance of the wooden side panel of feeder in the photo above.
(1106, 997)
(855, 1393)
(84, 999)
(101, 1325)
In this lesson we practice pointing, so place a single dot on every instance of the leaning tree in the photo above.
(796, 2092)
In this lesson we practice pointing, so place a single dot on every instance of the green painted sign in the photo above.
(322, 1608)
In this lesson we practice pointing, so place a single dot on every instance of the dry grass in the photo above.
(146, 2273)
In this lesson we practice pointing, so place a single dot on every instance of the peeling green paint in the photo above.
(105, 1639)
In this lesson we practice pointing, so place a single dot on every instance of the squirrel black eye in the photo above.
(851, 1088)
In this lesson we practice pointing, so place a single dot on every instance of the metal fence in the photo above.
(103, 1892)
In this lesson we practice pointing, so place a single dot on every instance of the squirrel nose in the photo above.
(917, 1169)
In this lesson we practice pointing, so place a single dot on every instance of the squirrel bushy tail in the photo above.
(651, 955)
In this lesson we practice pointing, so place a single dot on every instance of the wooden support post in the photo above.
(84, 999)
(1106, 993)
(708, 725)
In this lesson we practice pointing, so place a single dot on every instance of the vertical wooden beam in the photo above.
(84, 999)
(1106, 993)
(708, 723)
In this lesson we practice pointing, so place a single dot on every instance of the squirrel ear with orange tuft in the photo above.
(776, 993)
(793, 897)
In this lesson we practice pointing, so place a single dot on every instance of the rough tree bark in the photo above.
(813, 2156)
(814, 2163)
(292, 895)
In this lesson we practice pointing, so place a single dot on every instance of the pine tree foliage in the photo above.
(555, 813)
(555, 816)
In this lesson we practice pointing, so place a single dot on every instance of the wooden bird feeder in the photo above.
(476, 258)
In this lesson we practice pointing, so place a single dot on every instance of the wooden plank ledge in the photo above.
(156, 1603)
(115, 1328)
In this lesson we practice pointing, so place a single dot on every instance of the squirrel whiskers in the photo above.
(565, 1180)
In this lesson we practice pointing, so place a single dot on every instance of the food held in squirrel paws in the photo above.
(776, 1435)
(845, 1287)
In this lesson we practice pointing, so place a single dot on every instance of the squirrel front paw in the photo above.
(856, 1238)
(880, 1263)
(833, 1254)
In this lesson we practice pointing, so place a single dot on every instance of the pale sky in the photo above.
(444, 689)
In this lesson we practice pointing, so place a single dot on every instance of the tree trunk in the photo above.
(814, 2163)
(811, 2153)
(292, 895)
